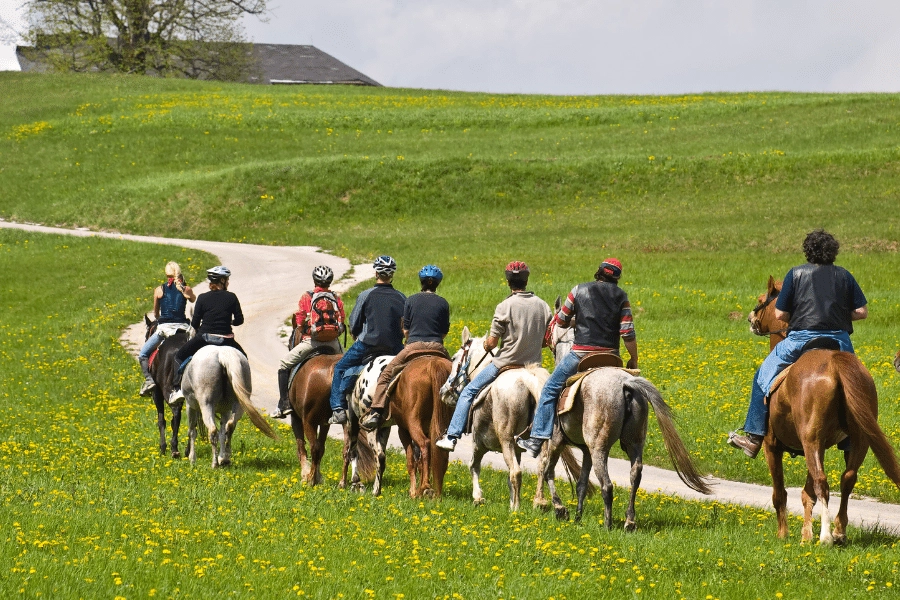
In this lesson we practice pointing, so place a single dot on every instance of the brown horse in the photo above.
(420, 416)
(827, 396)
(309, 396)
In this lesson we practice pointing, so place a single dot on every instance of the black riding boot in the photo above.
(284, 405)
(149, 384)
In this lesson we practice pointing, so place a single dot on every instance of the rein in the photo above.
(761, 306)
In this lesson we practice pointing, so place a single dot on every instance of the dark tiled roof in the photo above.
(275, 64)
(286, 63)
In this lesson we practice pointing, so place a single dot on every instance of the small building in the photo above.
(273, 64)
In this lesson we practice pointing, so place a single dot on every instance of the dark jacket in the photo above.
(375, 320)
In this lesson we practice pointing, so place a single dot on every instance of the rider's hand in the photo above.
(632, 363)
(179, 284)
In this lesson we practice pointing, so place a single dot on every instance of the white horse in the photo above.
(217, 380)
(501, 411)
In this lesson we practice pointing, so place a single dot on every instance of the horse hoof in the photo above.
(162, 449)
(176, 454)
(542, 507)
(478, 501)
(562, 514)
(630, 527)
(225, 463)
(358, 488)
(429, 493)
(578, 517)
(840, 540)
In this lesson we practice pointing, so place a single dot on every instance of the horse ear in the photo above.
(771, 285)
(147, 320)
(465, 335)
(557, 303)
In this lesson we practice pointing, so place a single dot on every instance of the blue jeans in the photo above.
(545, 413)
(785, 354)
(353, 357)
(467, 397)
(150, 345)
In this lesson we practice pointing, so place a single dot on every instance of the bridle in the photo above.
(754, 323)
(457, 382)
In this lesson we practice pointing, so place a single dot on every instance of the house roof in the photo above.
(275, 64)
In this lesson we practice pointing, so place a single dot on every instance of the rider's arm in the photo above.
(631, 346)
(860, 313)
(782, 315)
(157, 296)
(490, 342)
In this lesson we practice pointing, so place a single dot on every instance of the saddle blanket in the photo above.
(573, 386)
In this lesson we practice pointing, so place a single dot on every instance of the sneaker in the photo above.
(750, 443)
(175, 397)
(372, 421)
(446, 443)
(147, 387)
(532, 446)
(281, 414)
(338, 417)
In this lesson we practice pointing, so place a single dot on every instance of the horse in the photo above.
(420, 416)
(309, 395)
(161, 370)
(217, 381)
(505, 411)
(612, 405)
(826, 396)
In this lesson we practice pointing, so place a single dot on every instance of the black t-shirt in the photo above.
(427, 317)
(216, 312)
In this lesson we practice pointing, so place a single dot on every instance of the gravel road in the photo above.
(260, 278)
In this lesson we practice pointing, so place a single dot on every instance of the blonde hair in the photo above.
(172, 269)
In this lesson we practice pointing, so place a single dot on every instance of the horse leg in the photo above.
(227, 433)
(420, 439)
(192, 435)
(349, 447)
(160, 419)
(213, 431)
(411, 460)
(176, 425)
(511, 456)
(352, 430)
(478, 453)
(775, 460)
(583, 481)
(317, 452)
(600, 456)
(853, 459)
(381, 440)
(549, 473)
(808, 496)
(635, 453)
(815, 462)
(297, 428)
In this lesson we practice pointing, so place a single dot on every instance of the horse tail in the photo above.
(861, 399)
(438, 371)
(366, 461)
(678, 454)
(238, 370)
(573, 468)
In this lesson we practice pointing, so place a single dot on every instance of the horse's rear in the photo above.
(217, 381)
(309, 396)
(827, 396)
(421, 419)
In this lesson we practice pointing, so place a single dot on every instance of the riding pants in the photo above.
(353, 357)
(782, 356)
(545, 414)
(467, 397)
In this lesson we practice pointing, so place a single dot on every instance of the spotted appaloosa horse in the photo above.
(161, 370)
(217, 381)
(420, 416)
(504, 412)
(611, 406)
(826, 396)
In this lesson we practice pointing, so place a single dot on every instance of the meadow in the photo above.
(702, 197)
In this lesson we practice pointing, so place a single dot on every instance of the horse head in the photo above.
(466, 363)
(762, 318)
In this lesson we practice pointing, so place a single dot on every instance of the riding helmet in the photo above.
(431, 272)
(322, 276)
(611, 268)
(385, 265)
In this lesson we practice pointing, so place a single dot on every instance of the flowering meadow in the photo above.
(701, 197)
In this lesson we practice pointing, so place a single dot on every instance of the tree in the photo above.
(200, 39)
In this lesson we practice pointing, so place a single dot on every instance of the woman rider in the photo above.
(214, 314)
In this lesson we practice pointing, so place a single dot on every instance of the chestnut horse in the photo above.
(420, 416)
(827, 396)
(309, 395)
(163, 367)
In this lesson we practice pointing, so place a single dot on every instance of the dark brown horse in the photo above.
(827, 396)
(163, 367)
(420, 416)
(309, 395)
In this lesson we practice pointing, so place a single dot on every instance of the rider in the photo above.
(169, 302)
(602, 316)
(375, 324)
(817, 300)
(426, 321)
(310, 340)
(214, 314)
(519, 322)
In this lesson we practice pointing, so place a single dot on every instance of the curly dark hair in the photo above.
(820, 247)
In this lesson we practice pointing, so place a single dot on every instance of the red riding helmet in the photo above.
(517, 270)
(611, 268)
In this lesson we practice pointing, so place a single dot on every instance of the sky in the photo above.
(571, 47)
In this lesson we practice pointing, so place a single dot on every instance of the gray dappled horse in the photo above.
(217, 381)
(611, 406)
(504, 412)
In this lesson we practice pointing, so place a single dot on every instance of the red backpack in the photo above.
(324, 317)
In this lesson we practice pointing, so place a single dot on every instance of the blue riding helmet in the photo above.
(431, 271)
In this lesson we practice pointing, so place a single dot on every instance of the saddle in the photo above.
(821, 343)
(315, 352)
(484, 393)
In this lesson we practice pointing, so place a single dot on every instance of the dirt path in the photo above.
(268, 297)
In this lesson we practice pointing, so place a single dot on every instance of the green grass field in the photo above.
(702, 197)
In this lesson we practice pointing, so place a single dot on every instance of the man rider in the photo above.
(817, 300)
(322, 278)
(214, 314)
(169, 302)
(519, 323)
(376, 327)
(426, 321)
(602, 316)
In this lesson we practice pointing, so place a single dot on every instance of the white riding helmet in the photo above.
(217, 273)
(322, 276)
(385, 265)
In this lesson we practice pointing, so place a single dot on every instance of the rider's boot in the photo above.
(372, 420)
(177, 395)
(284, 405)
(149, 384)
